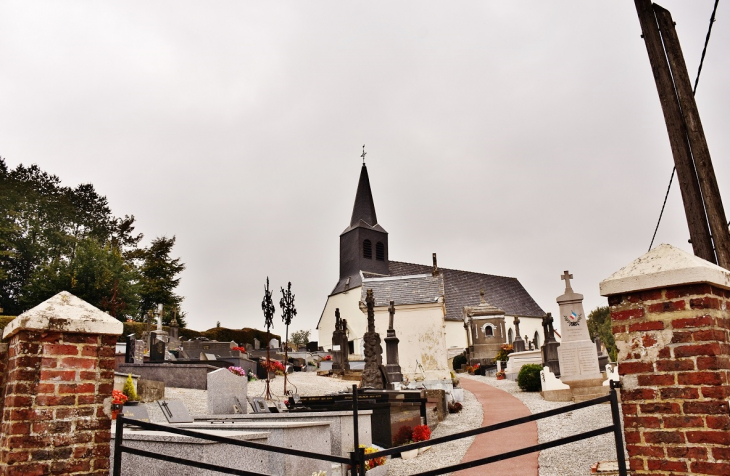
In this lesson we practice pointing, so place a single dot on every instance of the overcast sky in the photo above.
(516, 138)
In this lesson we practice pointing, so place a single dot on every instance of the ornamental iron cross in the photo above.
(363, 154)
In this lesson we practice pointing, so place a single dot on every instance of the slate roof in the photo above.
(418, 289)
(363, 211)
(462, 288)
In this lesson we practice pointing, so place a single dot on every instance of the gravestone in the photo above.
(175, 411)
(139, 352)
(223, 389)
(274, 344)
(157, 348)
(256, 344)
(372, 376)
(248, 348)
(337, 350)
(518, 345)
(550, 357)
(136, 412)
(129, 351)
(259, 405)
(577, 353)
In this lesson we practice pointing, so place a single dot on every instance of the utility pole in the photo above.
(694, 206)
(696, 135)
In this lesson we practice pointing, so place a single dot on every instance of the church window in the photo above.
(380, 251)
(537, 340)
(511, 336)
(367, 249)
(488, 331)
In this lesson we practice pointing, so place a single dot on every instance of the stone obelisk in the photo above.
(391, 350)
(371, 376)
(577, 353)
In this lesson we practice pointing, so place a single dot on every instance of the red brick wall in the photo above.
(3, 366)
(54, 419)
(674, 359)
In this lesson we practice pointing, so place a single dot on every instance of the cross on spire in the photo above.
(363, 154)
(566, 276)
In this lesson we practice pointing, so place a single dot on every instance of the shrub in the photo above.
(459, 360)
(128, 389)
(529, 378)
(421, 433)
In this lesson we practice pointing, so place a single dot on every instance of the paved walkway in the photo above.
(499, 406)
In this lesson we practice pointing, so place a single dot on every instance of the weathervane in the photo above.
(363, 154)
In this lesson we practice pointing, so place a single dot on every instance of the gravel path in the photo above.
(574, 459)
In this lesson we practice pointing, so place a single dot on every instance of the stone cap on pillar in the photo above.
(64, 312)
(661, 267)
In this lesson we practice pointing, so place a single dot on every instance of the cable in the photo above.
(694, 91)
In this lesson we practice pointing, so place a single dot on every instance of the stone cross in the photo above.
(159, 318)
(566, 276)
(338, 322)
(370, 301)
(517, 325)
(391, 311)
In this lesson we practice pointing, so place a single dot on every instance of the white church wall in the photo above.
(348, 302)
(455, 335)
(422, 335)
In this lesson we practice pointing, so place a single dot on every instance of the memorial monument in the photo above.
(391, 348)
(518, 345)
(577, 353)
(337, 353)
(550, 357)
(371, 375)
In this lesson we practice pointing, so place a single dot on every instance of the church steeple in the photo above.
(364, 208)
(363, 244)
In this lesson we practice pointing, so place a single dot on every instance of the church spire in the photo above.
(364, 208)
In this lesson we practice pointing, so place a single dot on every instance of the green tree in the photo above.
(300, 338)
(159, 278)
(599, 325)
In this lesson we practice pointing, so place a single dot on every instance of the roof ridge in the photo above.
(453, 269)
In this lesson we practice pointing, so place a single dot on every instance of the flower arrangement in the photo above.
(421, 433)
(237, 371)
(273, 366)
(240, 349)
(371, 463)
(504, 352)
(500, 375)
(118, 398)
(251, 376)
(327, 357)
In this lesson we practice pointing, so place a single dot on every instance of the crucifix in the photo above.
(567, 277)
(391, 311)
(363, 154)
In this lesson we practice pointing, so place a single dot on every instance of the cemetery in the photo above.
(417, 369)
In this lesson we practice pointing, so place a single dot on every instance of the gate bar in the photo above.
(617, 431)
(118, 445)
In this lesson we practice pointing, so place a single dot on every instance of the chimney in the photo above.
(435, 270)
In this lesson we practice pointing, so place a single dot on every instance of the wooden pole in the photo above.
(696, 135)
(694, 210)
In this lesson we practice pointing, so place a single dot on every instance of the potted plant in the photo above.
(500, 375)
(130, 392)
(118, 400)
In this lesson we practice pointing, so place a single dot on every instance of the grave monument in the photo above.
(391, 348)
(337, 352)
(371, 375)
(486, 326)
(550, 348)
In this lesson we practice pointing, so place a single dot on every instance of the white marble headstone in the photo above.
(223, 388)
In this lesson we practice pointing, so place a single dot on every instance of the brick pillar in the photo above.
(60, 375)
(670, 317)
(3, 367)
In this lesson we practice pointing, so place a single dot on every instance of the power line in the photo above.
(694, 91)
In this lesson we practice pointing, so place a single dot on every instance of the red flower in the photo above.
(421, 433)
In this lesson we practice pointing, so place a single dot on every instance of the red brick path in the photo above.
(499, 406)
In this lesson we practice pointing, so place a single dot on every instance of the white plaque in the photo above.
(335, 347)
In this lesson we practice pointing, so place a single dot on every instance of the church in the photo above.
(429, 301)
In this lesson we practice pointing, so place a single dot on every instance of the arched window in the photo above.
(511, 336)
(380, 251)
(537, 340)
(488, 331)
(367, 249)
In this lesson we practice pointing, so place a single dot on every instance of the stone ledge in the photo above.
(664, 266)
(64, 312)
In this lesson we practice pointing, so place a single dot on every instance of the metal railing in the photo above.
(358, 457)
